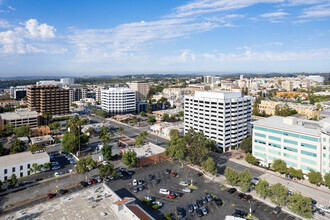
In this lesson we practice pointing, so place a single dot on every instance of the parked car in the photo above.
(121, 168)
(151, 177)
(240, 196)
(190, 208)
(150, 198)
(232, 190)
(247, 197)
(174, 173)
(105, 162)
(171, 196)
(254, 181)
(140, 182)
(325, 209)
(83, 183)
(199, 213)
(56, 174)
(277, 210)
(218, 201)
(177, 194)
(199, 203)
(70, 170)
(141, 187)
(135, 189)
(107, 179)
(120, 174)
(63, 191)
(167, 171)
(240, 213)
(93, 181)
(135, 182)
(158, 203)
(98, 179)
(204, 200)
(186, 190)
(89, 182)
(313, 201)
(129, 172)
(50, 195)
(164, 191)
(180, 212)
(156, 181)
(209, 197)
(55, 163)
(205, 211)
(195, 205)
(183, 183)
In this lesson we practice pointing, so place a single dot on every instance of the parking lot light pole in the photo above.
(250, 207)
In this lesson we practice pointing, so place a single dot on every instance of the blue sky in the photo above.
(70, 37)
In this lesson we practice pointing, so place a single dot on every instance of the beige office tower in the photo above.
(141, 89)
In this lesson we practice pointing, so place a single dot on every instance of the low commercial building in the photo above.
(18, 92)
(302, 144)
(20, 163)
(159, 114)
(268, 107)
(165, 128)
(20, 118)
(4, 103)
(42, 140)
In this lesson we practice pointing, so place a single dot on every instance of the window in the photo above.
(290, 149)
(309, 146)
(324, 155)
(290, 156)
(308, 161)
(274, 138)
(291, 163)
(260, 142)
(28, 166)
(259, 154)
(308, 153)
(274, 152)
(260, 135)
(260, 148)
(13, 170)
(290, 142)
(5, 178)
(272, 158)
(21, 167)
(5, 171)
(21, 174)
(274, 145)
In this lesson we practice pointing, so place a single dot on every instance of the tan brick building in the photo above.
(48, 98)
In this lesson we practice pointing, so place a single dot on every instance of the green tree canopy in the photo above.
(300, 205)
(262, 188)
(231, 176)
(22, 131)
(279, 166)
(2, 150)
(13, 180)
(165, 117)
(105, 170)
(130, 158)
(246, 144)
(314, 177)
(327, 179)
(106, 152)
(151, 119)
(174, 133)
(210, 166)
(17, 146)
(70, 143)
(295, 173)
(148, 109)
(279, 194)
(251, 159)
(120, 130)
(55, 125)
(34, 147)
(47, 116)
(143, 114)
(244, 180)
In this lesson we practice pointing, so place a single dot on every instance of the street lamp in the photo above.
(250, 207)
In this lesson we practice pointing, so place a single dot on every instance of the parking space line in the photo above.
(266, 208)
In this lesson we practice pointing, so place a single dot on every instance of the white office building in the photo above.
(118, 100)
(316, 78)
(67, 81)
(223, 116)
(209, 79)
(18, 92)
(302, 144)
(20, 163)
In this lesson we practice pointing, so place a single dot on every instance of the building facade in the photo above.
(67, 81)
(118, 100)
(18, 92)
(141, 88)
(302, 144)
(48, 98)
(76, 93)
(20, 163)
(223, 116)
(20, 118)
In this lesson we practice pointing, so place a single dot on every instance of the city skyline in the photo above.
(102, 37)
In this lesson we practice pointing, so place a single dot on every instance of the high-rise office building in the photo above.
(48, 98)
(18, 92)
(209, 80)
(141, 89)
(223, 116)
(119, 100)
(302, 144)
(67, 81)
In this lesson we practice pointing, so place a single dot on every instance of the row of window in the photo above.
(13, 170)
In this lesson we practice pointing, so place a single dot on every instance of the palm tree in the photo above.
(120, 130)
(144, 136)
(47, 116)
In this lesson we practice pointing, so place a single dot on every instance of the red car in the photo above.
(247, 197)
(171, 196)
(93, 181)
(50, 195)
(173, 173)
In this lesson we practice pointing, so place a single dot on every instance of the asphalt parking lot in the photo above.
(167, 181)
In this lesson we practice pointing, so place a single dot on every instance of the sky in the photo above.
(97, 37)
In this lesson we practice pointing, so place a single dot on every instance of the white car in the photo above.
(324, 208)
(56, 174)
(70, 170)
(183, 183)
(158, 203)
(164, 191)
(135, 182)
(105, 162)
(187, 190)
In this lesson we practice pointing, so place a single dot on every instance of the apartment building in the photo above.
(20, 118)
(118, 100)
(223, 116)
(302, 144)
(67, 81)
(20, 163)
(141, 88)
(311, 111)
(287, 85)
(209, 79)
(76, 92)
(48, 98)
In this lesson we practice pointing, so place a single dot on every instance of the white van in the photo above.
(164, 191)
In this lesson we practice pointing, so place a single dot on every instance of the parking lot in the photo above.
(203, 186)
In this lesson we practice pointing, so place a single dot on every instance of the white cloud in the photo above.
(304, 2)
(274, 15)
(187, 56)
(300, 21)
(25, 38)
(11, 8)
(317, 11)
(199, 7)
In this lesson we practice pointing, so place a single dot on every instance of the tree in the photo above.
(134, 119)
(180, 114)
(231, 176)
(210, 166)
(279, 194)
(55, 125)
(35, 168)
(2, 150)
(13, 180)
(246, 144)
(255, 109)
(319, 106)
(22, 131)
(148, 109)
(8, 129)
(84, 139)
(74, 105)
(279, 166)
(120, 130)
(295, 173)
(47, 165)
(90, 131)
(104, 131)
(244, 180)
(106, 152)
(151, 119)
(89, 104)
(174, 133)
(70, 143)
(314, 177)
(105, 170)
(300, 205)
(143, 114)
(130, 158)
(17, 146)
(262, 188)
(34, 147)
(165, 117)
(91, 163)
(82, 166)
(251, 159)
(47, 116)
(327, 179)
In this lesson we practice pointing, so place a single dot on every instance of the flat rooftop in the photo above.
(146, 150)
(307, 127)
(91, 203)
(23, 157)
(19, 114)
(217, 94)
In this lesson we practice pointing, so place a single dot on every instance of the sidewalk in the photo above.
(320, 194)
